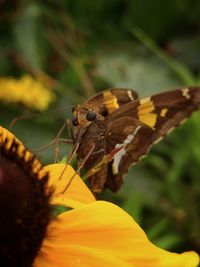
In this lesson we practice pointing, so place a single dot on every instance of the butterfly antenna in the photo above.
(23, 117)
(28, 116)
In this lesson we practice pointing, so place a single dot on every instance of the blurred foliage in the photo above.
(80, 47)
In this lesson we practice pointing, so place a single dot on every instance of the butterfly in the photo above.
(118, 119)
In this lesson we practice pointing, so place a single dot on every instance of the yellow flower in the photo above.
(26, 90)
(93, 233)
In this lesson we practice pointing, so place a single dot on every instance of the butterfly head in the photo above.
(84, 115)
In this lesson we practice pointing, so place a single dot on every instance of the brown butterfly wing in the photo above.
(153, 118)
(135, 139)
(108, 101)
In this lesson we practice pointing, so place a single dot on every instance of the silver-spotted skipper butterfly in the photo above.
(116, 118)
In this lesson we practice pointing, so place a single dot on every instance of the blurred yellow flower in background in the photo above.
(26, 90)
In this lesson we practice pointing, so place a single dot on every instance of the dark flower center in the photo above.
(24, 208)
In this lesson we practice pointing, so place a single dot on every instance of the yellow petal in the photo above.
(76, 192)
(7, 138)
(104, 229)
(77, 189)
(77, 257)
(66, 202)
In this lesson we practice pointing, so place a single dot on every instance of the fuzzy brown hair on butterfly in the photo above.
(116, 118)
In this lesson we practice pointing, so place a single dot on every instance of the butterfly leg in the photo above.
(79, 167)
(70, 129)
(59, 140)
(56, 142)
(75, 148)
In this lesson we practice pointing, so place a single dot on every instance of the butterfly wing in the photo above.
(141, 123)
(162, 112)
(108, 101)
(135, 138)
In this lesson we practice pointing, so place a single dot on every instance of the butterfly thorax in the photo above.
(89, 132)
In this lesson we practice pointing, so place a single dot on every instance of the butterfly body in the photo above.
(116, 118)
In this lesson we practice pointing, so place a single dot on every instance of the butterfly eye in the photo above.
(75, 121)
(91, 115)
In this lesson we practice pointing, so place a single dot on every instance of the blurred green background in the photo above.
(78, 48)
